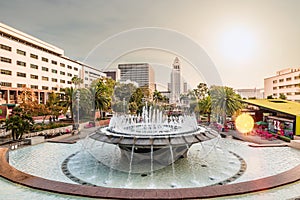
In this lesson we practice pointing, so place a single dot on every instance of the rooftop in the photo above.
(285, 106)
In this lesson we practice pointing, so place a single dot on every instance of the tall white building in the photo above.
(286, 81)
(141, 73)
(176, 86)
(26, 61)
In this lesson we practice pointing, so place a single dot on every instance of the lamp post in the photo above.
(124, 104)
(77, 100)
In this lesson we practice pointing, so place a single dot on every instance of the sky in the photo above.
(246, 40)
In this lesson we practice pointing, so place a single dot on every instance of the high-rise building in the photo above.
(141, 73)
(26, 61)
(176, 86)
(286, 81)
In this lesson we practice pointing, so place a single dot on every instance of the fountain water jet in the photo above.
(152, 137)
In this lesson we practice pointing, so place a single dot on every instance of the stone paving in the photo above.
(14, 175)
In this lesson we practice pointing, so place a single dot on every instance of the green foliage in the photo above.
(19, 123)
(201, 91)
(103, 88)
(270, 97)
(224, 101)
(282, 96)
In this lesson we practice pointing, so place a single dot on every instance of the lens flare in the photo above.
(244, 123)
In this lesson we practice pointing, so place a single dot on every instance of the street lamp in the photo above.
(124, 104)
(77, 99)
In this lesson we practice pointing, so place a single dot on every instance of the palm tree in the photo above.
(157, 96)
(204, 106)
(224, 101)
(103, 93)
(76, 81)
(67, 102)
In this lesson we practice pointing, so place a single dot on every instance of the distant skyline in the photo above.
(248, 40)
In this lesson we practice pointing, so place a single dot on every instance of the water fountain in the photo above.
(152, 137)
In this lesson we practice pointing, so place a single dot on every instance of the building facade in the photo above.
(141, 73)
(286, 81)
(176, 86)
(26, 61)
(255, 93)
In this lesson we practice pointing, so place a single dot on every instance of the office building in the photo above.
(26, 61)
(141, 73)
(286, 81)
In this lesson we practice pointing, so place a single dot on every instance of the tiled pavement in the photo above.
(14, 175)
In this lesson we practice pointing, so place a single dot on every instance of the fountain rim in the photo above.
(12, 174)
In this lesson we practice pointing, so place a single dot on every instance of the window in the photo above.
(69, 67)
(62, 81)
(5, 72)
(86, 78)
(54, 71)
(75, 68)
(45, 78)
(21, 85)
(86, 72)
(289, 93)
(34, 56)
(288, 79)
(23, 53)
(297, 93)
(5, 84)
(54, 88)
(274, 94)
(44, 59)
(69, 74)
(54, 79)
(20, 74)
(5, 47)
(45, 69)
(54, 62)
(34, 66)
(21, 63)
(34, 87)
(280, 80)
(281, 87)
(275, 81)
(45, 88)
(62, 73)
(274, 88)
(7, 60)
(62, 65)
(32, 76)
(69, 82)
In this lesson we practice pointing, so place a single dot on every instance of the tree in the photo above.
(28, 102)
(201, 91)
(19, 123)
(282, 96)
(67, 101)
(103, 93)
(204, 106)
(137, 99)
(224, 101)
(157, 97)
(270, 97)
(76, 81)
(54, 105)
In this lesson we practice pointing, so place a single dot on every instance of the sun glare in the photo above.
(244, 123)
(238, 44)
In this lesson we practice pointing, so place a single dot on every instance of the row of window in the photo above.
(287, 94)
(287, 86)
(32, 76)
(286, 79)
(33, 66)
(21, 52)
(21, 85)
